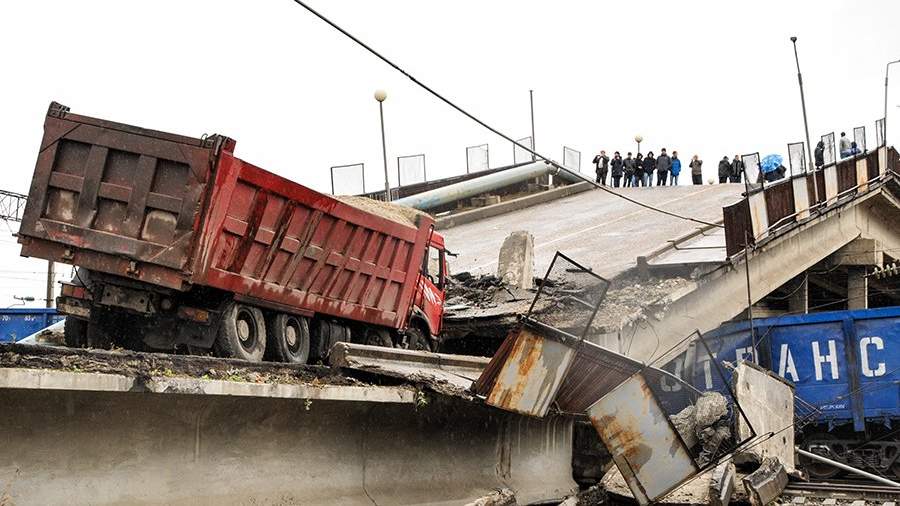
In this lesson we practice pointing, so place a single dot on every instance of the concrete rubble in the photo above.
(766, 483)
(515, 265)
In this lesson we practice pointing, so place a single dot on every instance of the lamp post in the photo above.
(884, 124)
(380, 96)
(809, 152)
(638, 138)
(533, 145)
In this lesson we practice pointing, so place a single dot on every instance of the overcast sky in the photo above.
(712, 78)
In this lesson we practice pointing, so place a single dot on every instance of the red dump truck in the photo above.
(181, 246)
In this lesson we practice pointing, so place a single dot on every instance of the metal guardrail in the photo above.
(765, 210)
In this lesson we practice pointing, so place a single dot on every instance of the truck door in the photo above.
(431, 301)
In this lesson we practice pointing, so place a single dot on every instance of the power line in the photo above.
(447, 101)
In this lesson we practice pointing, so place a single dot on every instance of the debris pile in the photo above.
(706, 424)
(467, 291)
(401, 214)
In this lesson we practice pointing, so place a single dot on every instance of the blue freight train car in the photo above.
(846, 364)
(18, 323)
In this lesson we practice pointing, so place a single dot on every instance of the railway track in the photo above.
(844, 490)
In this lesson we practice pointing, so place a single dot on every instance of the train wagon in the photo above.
(846, 364)
(180, 245)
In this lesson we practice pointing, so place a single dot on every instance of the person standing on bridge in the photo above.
(696, 170)
(639, 171)
(601, 161)
(628, 167)
(845, 145)
(616, 168)
(663, 165)
(676, 168)
(820, 154)
(737, 168)
(649, 164)
(724, 170)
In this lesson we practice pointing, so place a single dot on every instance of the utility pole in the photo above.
(533, 145)
(884, 120)
(809, 152)
(51, 275)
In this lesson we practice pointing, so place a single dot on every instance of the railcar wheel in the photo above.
(242, 333)
(289, 339)
(816, 469)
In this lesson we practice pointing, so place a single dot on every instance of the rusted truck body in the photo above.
(179, 244)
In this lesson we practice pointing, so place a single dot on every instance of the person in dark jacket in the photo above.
(696, 166)
(639, 170)
(820, 154)
(601, 162)
(615, 166)
(676, 168)
(628, 168)
(724, 169)
(649, 164)
(663, 165)
(737, 169)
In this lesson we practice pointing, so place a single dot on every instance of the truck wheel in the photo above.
(75, 332)
(289, 338)
(242, 333)
(378, 337)
(415, 339)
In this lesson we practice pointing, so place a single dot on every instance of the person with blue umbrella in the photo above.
(772, 167)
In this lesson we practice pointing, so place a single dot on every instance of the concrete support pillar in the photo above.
(857, 288)
(798, 303)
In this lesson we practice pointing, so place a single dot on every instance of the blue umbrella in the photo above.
(770, 163)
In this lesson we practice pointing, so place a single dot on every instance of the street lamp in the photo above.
(809, 152)
(380, 96)
(884, 124)
(638, 138)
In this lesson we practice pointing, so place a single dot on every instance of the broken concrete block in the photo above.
(831, 501)
(504, 497)
(721, 484)
(709, 407)
(798, 500)
(858, 502)
(768, 404)
(766, 483)
(685, 425)
(490, 200)
(516, 263)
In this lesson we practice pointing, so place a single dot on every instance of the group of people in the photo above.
(640, 170)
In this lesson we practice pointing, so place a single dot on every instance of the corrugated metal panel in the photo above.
(642, 440)
(736, 218)
(846, 175)
(594, 373)
(779, 201)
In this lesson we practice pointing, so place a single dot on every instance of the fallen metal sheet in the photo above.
(538, 366)
(526, 373)
(643, 442)
(456, 371)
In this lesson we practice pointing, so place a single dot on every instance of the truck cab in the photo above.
(428, 303)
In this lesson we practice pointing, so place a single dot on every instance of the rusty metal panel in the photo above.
(779, 201)
(642, 440)
(801, 196)
(736, 218)
(846, 175)
(759, 220)
(594, 373)
(530, 377)
(108, 191)
(274, 240)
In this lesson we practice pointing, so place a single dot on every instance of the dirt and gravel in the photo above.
(400, 214)
(147, 365)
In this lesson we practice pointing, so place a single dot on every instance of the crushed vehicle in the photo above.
(181, 246)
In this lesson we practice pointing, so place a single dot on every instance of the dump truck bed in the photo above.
(180, 212)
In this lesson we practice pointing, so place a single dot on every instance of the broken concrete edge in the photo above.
(46, 379)
(341, 352)
(642, 262)
(766, 483)
(481, 213)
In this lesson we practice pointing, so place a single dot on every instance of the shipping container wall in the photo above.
(18, 323)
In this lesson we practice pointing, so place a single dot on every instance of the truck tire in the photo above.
(75, 332)
(242, 333)
(416, 340)
(288, 338)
